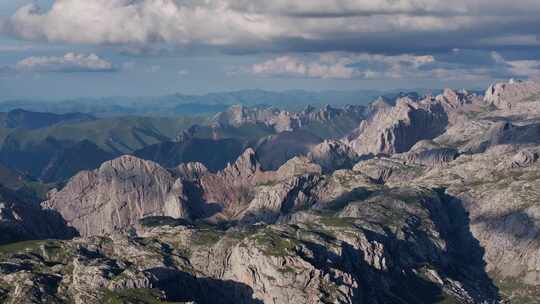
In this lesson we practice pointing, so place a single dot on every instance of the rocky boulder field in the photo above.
(422, 200)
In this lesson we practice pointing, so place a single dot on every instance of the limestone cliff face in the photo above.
(285, 197)
(281, 121)
(230, 189)
(391, 129)
(117, 195)
(505, 95)
(396, 129)
(452, 99)
(125, 190)
(429, 153)
(240, 115)
(333, 155)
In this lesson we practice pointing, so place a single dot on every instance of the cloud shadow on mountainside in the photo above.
(181, 286)
(517, 224)
(464, 250)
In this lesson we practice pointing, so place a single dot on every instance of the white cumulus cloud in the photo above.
(518, 68)
(70, 62)
(138, 22)
(337, 65)
(292, 66)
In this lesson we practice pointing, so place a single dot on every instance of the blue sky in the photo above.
(54, 49)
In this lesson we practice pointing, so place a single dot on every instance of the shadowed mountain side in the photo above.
(53, 160)
(274, 151)
(466, 251)
(21, 220)
(57, 152)
(180, 286)
(117, 135)
(21, 119)
(214, 154)
(519, 225)
(396, 129)
(11, 178)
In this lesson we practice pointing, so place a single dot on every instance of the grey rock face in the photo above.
(117, 195)
(123, 191)
(510, 94)
(240, 115)
(191, 171)
(281, 121)
(453, 100)
(333, 155)
(432, 157)
(283, 198)
(397, 129)
(524, 158)
(383, 170)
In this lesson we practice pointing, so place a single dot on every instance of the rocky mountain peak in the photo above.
(454, 99)
(405, 103)
(240, 115)
(117, 194)
(246, 164)
(395, 129)
(309, 109)
(378, 104)
(505, 95)
(128, 163)
(296, 166)
(333, 155)
(285, 121)
(191, 171)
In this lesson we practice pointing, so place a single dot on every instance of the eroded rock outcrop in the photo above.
(281, 121)
(524, 158)
(383, 169)
(240, 115)
(333, 155)
(433, 157)
(456, 99)
(506, 95)
(118, 194)
(396, 129)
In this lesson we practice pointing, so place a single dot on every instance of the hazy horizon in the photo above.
(420, 91)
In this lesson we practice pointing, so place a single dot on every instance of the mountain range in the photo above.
(211, 103)
(408, 199)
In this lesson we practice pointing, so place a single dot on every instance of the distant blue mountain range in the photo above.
(181, 104)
